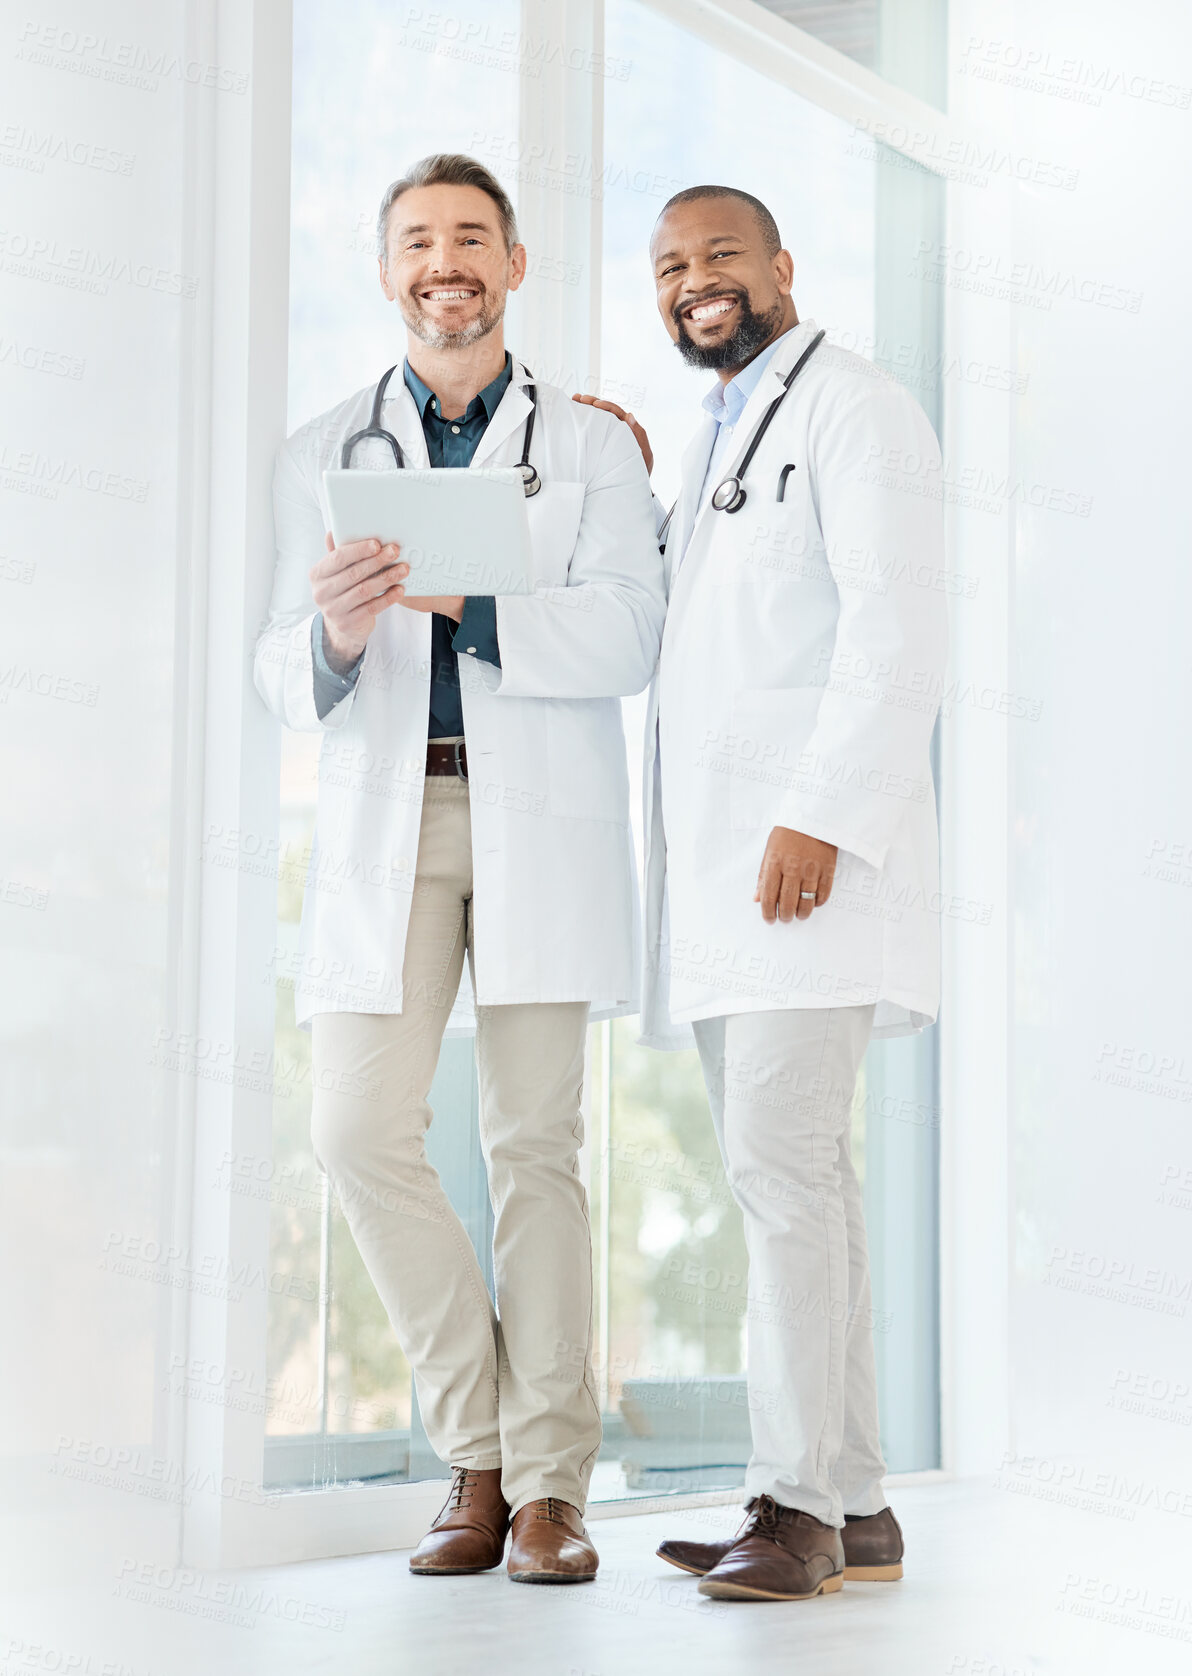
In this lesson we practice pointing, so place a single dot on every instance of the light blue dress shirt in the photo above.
(726, 403)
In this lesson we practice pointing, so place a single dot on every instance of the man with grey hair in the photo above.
(474, 814)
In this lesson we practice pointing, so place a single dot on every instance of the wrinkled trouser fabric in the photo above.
(780, 1085)
(511, 1386)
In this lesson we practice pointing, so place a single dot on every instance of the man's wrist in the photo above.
(340, 662)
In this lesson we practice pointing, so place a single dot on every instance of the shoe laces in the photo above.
(549, 1508)
(766, 1517)
(462, 1480)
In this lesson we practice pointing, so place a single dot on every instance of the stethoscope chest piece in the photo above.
(728, 496)
(531, 482)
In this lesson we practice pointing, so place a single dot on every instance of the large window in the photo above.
(375, 87)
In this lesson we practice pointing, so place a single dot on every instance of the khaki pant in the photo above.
(510, 1387)
(780, 1085)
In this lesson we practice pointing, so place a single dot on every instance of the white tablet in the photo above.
(461, 531)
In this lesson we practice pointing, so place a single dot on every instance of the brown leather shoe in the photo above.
(550, 1544)
(781, 1554)
(469, 1533)
(873, 1549)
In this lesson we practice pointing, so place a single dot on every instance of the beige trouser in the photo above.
(510, 1387)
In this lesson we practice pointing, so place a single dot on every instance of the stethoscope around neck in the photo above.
(729, 495)
(531, 482)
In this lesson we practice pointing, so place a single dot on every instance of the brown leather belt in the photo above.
(447, 757)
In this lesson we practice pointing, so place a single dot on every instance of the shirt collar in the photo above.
(486, 402)
(726, 402)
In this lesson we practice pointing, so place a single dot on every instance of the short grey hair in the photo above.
(447, 168)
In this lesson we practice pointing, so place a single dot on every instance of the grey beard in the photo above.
(751, 332)
(434, 338)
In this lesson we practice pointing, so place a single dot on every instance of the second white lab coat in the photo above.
(801, 671)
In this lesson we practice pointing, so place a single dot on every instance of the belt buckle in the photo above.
(459, 770)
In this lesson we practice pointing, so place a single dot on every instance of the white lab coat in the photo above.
(555, 896)
(800, 674)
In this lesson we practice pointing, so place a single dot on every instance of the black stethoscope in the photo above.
(531, 482)
(730, 496)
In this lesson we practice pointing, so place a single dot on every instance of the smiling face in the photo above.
(722, 296)
(446, 266)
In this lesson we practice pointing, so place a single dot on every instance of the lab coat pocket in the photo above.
(764, 754)
(554, 514)
(585, 756)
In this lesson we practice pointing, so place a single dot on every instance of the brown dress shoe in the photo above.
(781, 1554)
(872, 1549)
(469, 1534)
(550, 1544)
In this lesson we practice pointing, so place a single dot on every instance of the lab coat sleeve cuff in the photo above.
(477, 631)
(799, 814)
(330, 686)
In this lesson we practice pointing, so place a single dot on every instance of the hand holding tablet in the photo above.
(462, 531)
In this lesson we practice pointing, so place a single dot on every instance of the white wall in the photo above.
(97, 303)
(136, 432)
(1071, 1257)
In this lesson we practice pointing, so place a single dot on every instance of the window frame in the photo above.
(239, 182)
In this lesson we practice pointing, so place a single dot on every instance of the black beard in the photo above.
(751, 333)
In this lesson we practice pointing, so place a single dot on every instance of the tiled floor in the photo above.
(997, 1584)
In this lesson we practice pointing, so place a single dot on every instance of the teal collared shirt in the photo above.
(449, 442)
